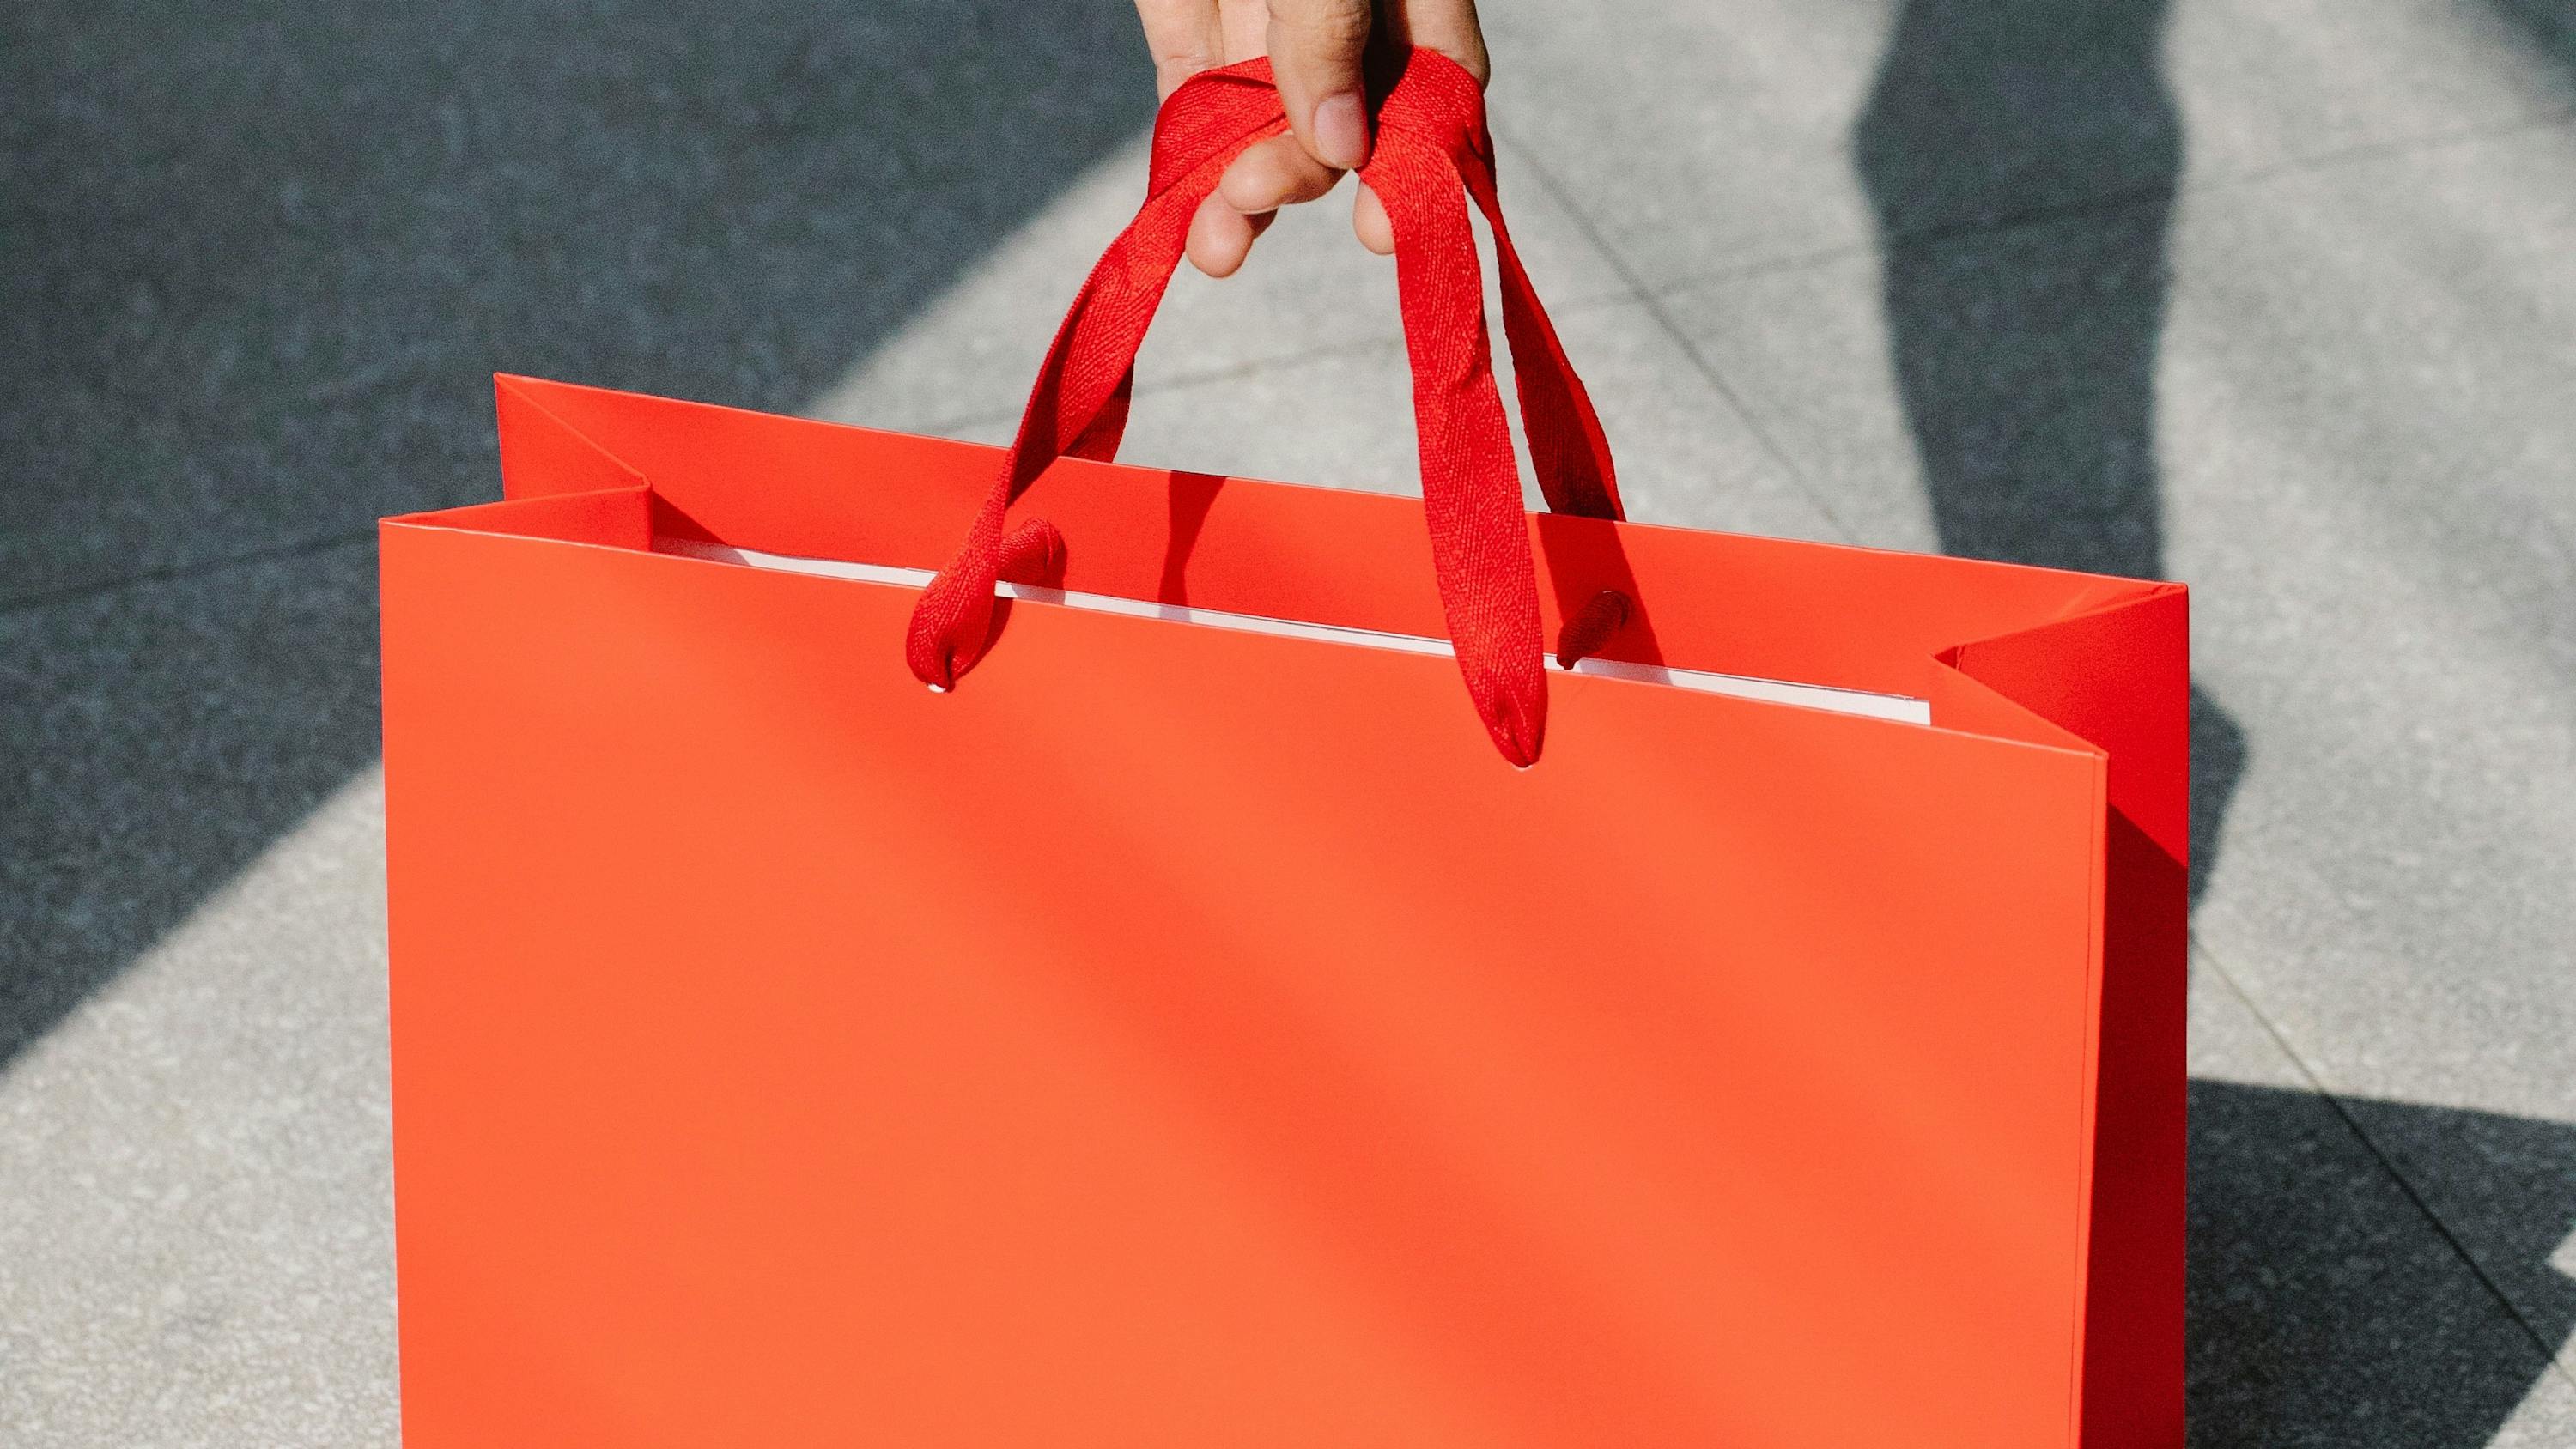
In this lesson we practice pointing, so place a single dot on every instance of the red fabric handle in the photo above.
(1431, 144)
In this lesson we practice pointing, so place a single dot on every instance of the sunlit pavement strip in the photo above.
(196, 1239)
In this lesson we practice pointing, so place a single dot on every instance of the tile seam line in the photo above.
(1636, 291)
(1565, 200)
(1230, 372)
(2549, 1353)
(2365, 151)
(192, 569)
(1237, 371)
(2107, 204)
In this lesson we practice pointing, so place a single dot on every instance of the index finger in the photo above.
(1184, 37)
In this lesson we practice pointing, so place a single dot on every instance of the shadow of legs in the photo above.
(243, 320)
(2217, 764)
(2325, 1310)
(2021, 156)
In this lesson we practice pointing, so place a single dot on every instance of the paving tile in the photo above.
(196, 1244)
(2264, 83)
(1694, 137)
(1705, 138)
(2229, 1043)
(2506, 1187)
(265, 307)
(1990, 395)
(2544, 1420)
(1810, 352)
(2326, 1307)
(195, 1233)
(2346, 427)
(2371, 473)
(159, 736)
(1309, 288)
(2350, 436)
(1685, 457)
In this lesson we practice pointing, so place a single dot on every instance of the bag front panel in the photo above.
(1181, 1036)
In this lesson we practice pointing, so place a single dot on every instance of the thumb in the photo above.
(1315, 50)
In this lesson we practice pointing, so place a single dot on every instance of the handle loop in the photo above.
(1431, 145)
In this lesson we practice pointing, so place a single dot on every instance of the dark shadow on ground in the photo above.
(2550, 26)
(257, 263)
(2021, 156)
(2326, 1309)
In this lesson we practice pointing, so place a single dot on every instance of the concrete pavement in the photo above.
(2277, 299)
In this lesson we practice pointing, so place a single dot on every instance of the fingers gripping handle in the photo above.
(1079, 402)
(1431, 145)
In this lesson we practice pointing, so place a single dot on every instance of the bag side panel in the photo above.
(2120, 677)
(542, 454)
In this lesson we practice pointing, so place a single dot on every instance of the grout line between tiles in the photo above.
(1663, 320)
(2362, 151)
(1635, 290)
(1253, 367)
(2107, 204)
(1765, 267)
(193, 569)
(2549, 1352)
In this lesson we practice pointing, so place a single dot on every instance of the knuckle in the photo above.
(1338, 24)
(1182, 62)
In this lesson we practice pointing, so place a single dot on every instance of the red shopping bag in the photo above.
(1166, 1033)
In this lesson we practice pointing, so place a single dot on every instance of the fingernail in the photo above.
(1341, 131)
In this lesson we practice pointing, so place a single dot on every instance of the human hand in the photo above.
(1315, 49)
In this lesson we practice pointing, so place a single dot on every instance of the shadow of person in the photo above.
(2549, 26)
(2325, 1310)
(261, 265)
(2021, 158)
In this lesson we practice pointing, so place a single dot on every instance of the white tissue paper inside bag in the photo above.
(1813, 696)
